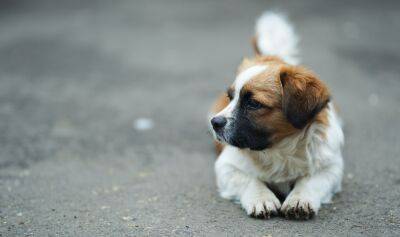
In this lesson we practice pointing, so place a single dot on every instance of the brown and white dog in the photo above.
(277, 132)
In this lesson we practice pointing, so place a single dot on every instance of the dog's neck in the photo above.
(291, 157)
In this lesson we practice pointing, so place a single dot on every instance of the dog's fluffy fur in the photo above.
(277, 131)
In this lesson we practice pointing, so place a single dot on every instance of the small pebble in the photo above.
(115, 188)
(142, 124)
(350, 176)
(127, 218)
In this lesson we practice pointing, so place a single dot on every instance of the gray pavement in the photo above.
(74, 76)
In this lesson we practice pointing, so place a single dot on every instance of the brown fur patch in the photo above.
(268, 59)
(259, 60)
(304, 95)
(322, 117)
(218, 147)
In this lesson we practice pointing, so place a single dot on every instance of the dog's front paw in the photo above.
(299, 208)
(260, 204)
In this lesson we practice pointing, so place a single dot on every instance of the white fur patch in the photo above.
(313, 162)
(243, 78)
(276, 36)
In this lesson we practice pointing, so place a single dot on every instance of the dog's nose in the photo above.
(218, 122)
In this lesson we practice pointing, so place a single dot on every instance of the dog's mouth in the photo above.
(224, 138)
(220, 137)
(242, 143)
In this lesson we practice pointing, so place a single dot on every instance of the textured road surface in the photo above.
(74, 76)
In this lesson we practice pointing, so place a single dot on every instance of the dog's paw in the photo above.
(260, 204)
(298, 208)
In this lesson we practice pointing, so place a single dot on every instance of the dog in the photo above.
(277, 132)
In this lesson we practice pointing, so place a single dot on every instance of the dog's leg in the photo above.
(309, 192)
(234, 184)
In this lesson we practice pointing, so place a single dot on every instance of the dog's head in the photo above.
(268, 101)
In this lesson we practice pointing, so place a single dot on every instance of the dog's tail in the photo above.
(275, 36)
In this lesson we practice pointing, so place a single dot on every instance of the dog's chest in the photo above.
(280, 166)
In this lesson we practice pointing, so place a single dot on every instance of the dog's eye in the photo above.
(229, 93)
(254, 105)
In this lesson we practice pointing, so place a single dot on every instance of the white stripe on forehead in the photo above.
(240, 81)
(246, 75)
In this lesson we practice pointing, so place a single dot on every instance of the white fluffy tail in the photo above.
(276, 36)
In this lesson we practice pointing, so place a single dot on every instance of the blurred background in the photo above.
(103, 108)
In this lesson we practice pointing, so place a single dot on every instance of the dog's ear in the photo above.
(303, 95)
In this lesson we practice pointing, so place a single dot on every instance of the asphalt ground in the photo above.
(75, 76)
